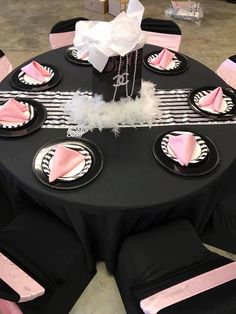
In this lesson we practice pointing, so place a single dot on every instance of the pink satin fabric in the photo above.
(64, 160)
(169, 41)
(5, 67)
(36, 71)
(189, 288)
(8, 307)
(58, 40)
(213, 99)
(183, 147)
(14, 111)
(227, 71)
(163, 59)
(27, 288)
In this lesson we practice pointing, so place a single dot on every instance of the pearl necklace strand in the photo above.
(126, 73)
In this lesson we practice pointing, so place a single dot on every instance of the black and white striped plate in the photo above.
(38, 115)
(84, 173)
(72, 56)
(205, 158)
(178, 65)
(75, 173)
(23, 81)
(227, 109)
(13, 125)
(200, 153)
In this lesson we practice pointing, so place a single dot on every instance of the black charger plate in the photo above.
(205, 166)
(71, 56)
(17, 81)
(40, 170)
(38, 119)
(180, 63)
(196, 94)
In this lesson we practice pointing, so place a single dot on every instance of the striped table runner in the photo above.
(173, 104)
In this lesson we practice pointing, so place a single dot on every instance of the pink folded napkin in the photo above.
(36, 71)
(14, 111)
(163, 59)
(83, 56)
(64, 160)
(183, 147)
(214, 99)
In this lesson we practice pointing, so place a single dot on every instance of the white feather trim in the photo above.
(91, 113)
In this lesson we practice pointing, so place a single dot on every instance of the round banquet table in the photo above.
(133, 192)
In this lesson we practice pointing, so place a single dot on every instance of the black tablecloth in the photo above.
(133, 192)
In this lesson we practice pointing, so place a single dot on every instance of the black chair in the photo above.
(51, 254)
(163, 33)
(63, 32)
(155, 260)
(220, 230)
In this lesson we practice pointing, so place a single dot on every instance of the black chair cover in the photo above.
(66, 25)
(152, 261)
(51, 254)
(233, 58)
(160, 26)
(1, 53)
(221, 228)
(6, 210)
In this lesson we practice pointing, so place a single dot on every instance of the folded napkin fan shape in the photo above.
(63, 161)
(163, 59)
(14, 111)
(36, 71)
(213, 99)
(183, 147)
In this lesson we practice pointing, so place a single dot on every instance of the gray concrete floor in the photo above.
(24, 27)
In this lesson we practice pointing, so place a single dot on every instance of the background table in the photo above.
(133, 192)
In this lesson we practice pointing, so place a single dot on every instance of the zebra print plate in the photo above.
(75, 173)
(205, 158)
(13, 125)
(22, 81)
(199, 154)
(178, 65)
(84, 173)
(228, 105)
(72, 56)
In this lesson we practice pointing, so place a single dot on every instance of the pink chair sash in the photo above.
(188, 288)
(5, 67)
(8, 307)
(27, 288)
(169, 41)
(58, 40)
(227, 71)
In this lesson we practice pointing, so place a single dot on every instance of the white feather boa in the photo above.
(90, 113)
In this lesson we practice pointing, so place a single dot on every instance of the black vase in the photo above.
(104, 83)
